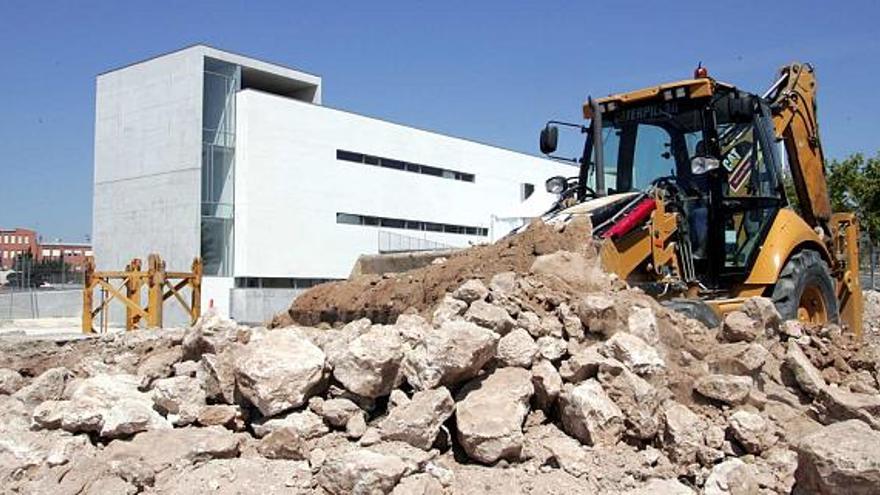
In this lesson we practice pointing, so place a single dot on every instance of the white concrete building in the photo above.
(202, 152)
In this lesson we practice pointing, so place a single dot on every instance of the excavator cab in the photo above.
(683, 185)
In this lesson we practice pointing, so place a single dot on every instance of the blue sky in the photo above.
(492, 71)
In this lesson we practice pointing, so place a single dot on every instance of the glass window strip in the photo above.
(404, 224)
(355, 157)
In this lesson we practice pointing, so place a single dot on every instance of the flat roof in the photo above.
(235, 58)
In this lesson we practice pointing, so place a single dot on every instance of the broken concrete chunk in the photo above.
(370, 365)
(637, 399)
(337, 412)
(642, 323)
(589, 415)
(840, 458)
(217, 373)
(635, 353)
(657, 486)
(280, 371)
(583, 364)
(470, 291)
(738, 358)
(731, 389)
(599, 314)
(419, 420)
(571, 322)
(531, 322)
(517, 348)
(490, 316)
(453, 353)
(569, 454)
(361, 472)
(835, 404)
(159, 365)
(572, 268)
(490, 415)
(224, 415)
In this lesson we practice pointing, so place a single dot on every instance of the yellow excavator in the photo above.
(683, 183)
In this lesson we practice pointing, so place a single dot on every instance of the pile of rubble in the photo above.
(557, 379)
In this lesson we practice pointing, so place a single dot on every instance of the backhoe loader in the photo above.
(683, 184)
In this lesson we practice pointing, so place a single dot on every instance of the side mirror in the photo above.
(549, 139)
(555, 185)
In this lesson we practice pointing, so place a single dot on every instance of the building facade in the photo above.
(20, 242)
(202, 152)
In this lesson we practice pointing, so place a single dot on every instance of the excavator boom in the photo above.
(793, 103)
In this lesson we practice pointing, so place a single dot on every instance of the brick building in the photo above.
(18, 241)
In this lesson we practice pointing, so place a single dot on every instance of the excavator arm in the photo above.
(793, 103)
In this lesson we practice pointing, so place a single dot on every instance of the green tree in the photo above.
(854, 185)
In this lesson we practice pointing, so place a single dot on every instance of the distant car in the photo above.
(47, 286)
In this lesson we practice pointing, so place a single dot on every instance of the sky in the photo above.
(491, 71)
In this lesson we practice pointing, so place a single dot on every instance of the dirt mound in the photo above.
(383, 298)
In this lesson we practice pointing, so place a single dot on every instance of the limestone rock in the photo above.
(583, 364)
(453, 353)
(599, 314)
(306, 424)
(49, 414)
(361, 472)
(448, 309)
(835, 404)
(112, 406)
(517, 348)
(10, 381)
(159, 364)
(752, 431)
(551, 348)
(186, 368)
(48, 386)
(807, 376)
(635, 353)
(569, 455)
(336, 412)
(762, 310)
(738, 358)
(280, 371)
(503, 283)
(731, 389)
(738, 326)
(180, 397)
(547, 383)
(658, 486)
(589, 415)
(283, 443)
(418, 422)
(531, 323)
(217, 373)
(731, 477)
(572, 268)
(490, 316)
(370, 365)
(491, 412)
(221, 415)
(637, 399)
(419, 484)
(470, 291)
(683, 434)
(841, 458)
(642, 323)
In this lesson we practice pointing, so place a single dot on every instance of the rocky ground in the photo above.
(554, 378)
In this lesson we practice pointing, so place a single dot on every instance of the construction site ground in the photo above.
(519, 367)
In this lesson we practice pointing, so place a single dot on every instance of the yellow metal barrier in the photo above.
(160, 285)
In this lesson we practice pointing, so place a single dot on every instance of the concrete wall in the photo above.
(41, 304)
(289, 186)
(147, 161)
(258, 306)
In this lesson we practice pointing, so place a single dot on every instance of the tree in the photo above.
(854, 185)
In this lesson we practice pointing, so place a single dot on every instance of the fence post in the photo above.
(155, 291)
(132, 292)
(196, 284)
(87, 298)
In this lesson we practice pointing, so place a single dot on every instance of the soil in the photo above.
(383, 298)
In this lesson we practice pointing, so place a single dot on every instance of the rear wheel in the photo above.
(805, 290)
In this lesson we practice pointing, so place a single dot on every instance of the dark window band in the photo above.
(351, 156)
(397, 223)
(278, 282)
